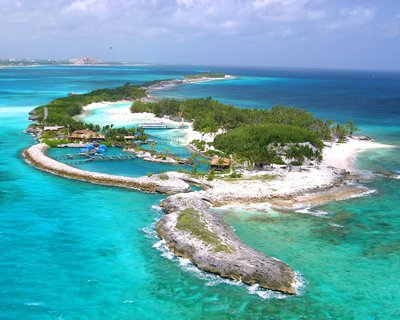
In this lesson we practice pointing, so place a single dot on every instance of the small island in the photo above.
(284, 157)
(206, 75)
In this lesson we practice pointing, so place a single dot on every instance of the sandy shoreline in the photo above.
(221, 251)
(36, 155)
(123, 116)
(339, 160)
(331, 180)
(171, 83)
(344, 155)
(338, 155)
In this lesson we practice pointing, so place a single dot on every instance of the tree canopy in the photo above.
(209, 115)
(61, 110)
(268, 143)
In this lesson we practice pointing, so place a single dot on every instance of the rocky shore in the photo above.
(167, 183)
(189, 228)
(192, 231)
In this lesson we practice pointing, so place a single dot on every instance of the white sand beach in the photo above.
(122, 116)
(255, 186)
(306, 187)
(343, 155)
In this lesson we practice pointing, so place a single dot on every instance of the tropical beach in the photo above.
(190, 229)
(277, 194)
(200, 160)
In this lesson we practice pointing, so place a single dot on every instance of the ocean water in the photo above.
(70, 250)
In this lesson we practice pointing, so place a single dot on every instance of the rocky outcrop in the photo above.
(189, 228)
(192, 231)
(165, 183)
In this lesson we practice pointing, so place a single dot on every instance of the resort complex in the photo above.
(279, 156)
(190, 160)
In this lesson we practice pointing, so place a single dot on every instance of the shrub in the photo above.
(163, 176)
(236, 175)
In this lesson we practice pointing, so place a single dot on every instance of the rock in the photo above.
(192, 231)
(156, 183)
(189, 229)
(33, 117)
(32, 130)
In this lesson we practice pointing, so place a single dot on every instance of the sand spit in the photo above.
(173, 184)
(191, 231)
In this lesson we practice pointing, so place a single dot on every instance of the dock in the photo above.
(83, 158)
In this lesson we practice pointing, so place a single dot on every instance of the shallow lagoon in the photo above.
(73, 250)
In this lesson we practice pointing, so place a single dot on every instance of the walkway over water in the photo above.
(82, 158)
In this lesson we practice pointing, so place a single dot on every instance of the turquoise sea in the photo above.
(71, 250)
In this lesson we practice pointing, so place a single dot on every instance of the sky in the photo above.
(355, 34)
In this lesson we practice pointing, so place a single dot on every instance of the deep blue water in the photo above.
(371, 99)
(70, 250)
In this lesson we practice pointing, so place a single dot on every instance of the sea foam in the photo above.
(212, 280)
(316, 213)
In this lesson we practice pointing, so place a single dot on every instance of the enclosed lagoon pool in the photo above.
(131, 168)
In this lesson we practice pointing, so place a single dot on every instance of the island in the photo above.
(284, 157)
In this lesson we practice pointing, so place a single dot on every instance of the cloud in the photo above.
(204, 26)
(353, 18)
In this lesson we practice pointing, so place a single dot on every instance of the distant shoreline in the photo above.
(191, 230)
(166, 84)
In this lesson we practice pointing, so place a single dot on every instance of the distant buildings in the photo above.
(86, 135)
(53, 128)
(82, 61)
(220, 163)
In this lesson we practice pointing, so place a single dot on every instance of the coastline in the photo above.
(335, 171)
(165, 84)
(123, 115)
(191, 230)
(36, 155)
(344, 155)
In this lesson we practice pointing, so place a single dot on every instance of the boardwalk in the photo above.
(83, 158)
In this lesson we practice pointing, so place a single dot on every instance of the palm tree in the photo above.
(221, 162)
(351, 127)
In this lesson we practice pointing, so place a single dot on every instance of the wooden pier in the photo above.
(83, 158)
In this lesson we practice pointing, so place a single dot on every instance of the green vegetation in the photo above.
(280, 135)
(263, 177)
(205, 75)
(214, 153)
(62, 110)
(235, 175)
(199, 144)
(189, 220)
(267, 143)
(113, 136)
(210, 176)
(116, 135)
(209, 115)
(163, 176)
(54, 143)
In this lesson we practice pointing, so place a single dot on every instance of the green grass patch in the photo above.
(163, 176)
(264, 177)
(54, 143)
(189, 220)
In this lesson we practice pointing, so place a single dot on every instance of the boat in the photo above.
(153, 125)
